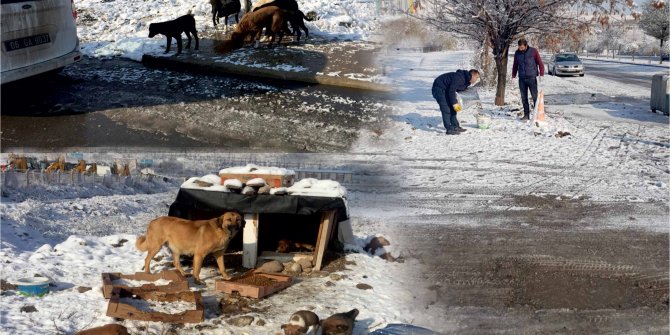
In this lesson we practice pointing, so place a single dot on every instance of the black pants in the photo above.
(524, 85)
(448, 113)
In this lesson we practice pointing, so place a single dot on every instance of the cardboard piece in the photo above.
(274, 180)
(178, 282)
(255, 285)
(117, 309)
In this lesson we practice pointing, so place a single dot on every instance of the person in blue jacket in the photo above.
(444, 91)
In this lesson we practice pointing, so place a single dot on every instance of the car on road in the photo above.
(38, 36)
(565, 64)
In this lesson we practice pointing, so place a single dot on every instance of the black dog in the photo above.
(225, 9)
(174, 29)
(297, 23)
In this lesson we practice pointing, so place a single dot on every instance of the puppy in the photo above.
(174, 29)
(288, 246)
(186, 237)
(110, 329)
(300, 322)
(340, 323)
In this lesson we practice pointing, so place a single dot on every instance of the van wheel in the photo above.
(581, 75)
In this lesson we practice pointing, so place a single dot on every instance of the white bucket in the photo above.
(483, 121)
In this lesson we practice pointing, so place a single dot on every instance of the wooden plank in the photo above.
(325, 231)
(250, 241)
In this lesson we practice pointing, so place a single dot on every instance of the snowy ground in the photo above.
(617, 150)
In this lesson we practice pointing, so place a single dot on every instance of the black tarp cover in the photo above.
(195, 200)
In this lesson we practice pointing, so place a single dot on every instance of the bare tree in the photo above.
(654, 21)
(611, 38)
(503, 21)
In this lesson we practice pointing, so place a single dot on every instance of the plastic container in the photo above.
(468, 98)
(483, 121)
(32, 286)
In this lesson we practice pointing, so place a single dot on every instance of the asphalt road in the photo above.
(622, 72)
(121, 103)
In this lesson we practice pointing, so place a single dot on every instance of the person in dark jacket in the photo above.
(444, 91)
(528, 64)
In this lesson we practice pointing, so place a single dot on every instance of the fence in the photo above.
(21, 179)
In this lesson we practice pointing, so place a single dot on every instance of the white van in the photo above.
(37, 36)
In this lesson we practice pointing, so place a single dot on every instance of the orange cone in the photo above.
(539, 109)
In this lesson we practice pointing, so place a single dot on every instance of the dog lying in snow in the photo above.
(300, 322)
(340, 323)
(174, 28)
(185, 237)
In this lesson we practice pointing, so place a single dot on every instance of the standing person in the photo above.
(528, 64)
(444, 91)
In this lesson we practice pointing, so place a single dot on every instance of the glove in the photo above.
(457, 107)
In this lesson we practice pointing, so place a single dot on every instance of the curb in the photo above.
(629, 63)
(209, 67)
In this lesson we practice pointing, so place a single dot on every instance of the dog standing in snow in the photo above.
(185, 237)
(300, 322)
(174, 28)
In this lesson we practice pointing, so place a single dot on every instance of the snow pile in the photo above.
(252, 168)
(209, 182)
(318, 188)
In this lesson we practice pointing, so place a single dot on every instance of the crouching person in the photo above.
(444, 91)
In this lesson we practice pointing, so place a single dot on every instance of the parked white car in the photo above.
(565, 64)
(37, 36)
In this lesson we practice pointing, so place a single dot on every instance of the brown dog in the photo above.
(340, 323)
(110, 329)
(186, 237)
(252, 24)
(288, 246)
(300, 322)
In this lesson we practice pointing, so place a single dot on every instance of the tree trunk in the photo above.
(501, 67)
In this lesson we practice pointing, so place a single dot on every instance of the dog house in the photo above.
(306, 217)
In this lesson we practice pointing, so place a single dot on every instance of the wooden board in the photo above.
(243, 286)
(117, 309)
(178, 282)
(325, 233)
(250, 241)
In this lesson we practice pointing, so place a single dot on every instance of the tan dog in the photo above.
(110, 329)
(288, 246)
(300, 322)
(186, 237)
(340, 323)
(252, 23)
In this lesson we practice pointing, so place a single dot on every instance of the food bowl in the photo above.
(32, 286)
